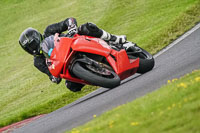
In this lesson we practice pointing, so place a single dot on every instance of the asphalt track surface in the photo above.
(181, 57)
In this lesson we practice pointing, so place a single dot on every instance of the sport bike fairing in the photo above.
(65, 49)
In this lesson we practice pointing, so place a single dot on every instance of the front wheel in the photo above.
(96, 76)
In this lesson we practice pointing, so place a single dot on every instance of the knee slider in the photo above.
(73, 86)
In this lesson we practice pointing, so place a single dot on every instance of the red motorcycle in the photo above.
(89, 60)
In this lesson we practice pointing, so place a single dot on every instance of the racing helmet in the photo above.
(30, 40)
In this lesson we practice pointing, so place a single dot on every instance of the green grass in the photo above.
(175, 108)
(25, 92)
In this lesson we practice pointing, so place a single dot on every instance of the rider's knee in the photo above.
(90, 29)
(73, 86)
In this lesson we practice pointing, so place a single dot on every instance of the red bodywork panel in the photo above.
(65, 49)
(123, 66)
(59, 55)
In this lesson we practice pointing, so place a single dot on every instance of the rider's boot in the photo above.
(91, 29)
(115, 39)
(118, 40)
(129, 46)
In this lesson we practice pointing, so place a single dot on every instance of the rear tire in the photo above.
(146, 62)
(145, 65)
(80, 70)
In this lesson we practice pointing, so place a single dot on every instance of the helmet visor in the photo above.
(34, 46)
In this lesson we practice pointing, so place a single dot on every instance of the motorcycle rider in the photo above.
(36, 44)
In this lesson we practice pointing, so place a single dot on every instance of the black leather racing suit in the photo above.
(68, 24)
(40, 61)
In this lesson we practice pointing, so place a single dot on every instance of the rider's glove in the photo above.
(54, 79)
(71, 26)
(73, 30)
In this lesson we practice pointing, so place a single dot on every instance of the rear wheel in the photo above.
(99, 76)
(146, 59)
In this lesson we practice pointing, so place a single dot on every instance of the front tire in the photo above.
(81, 71)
